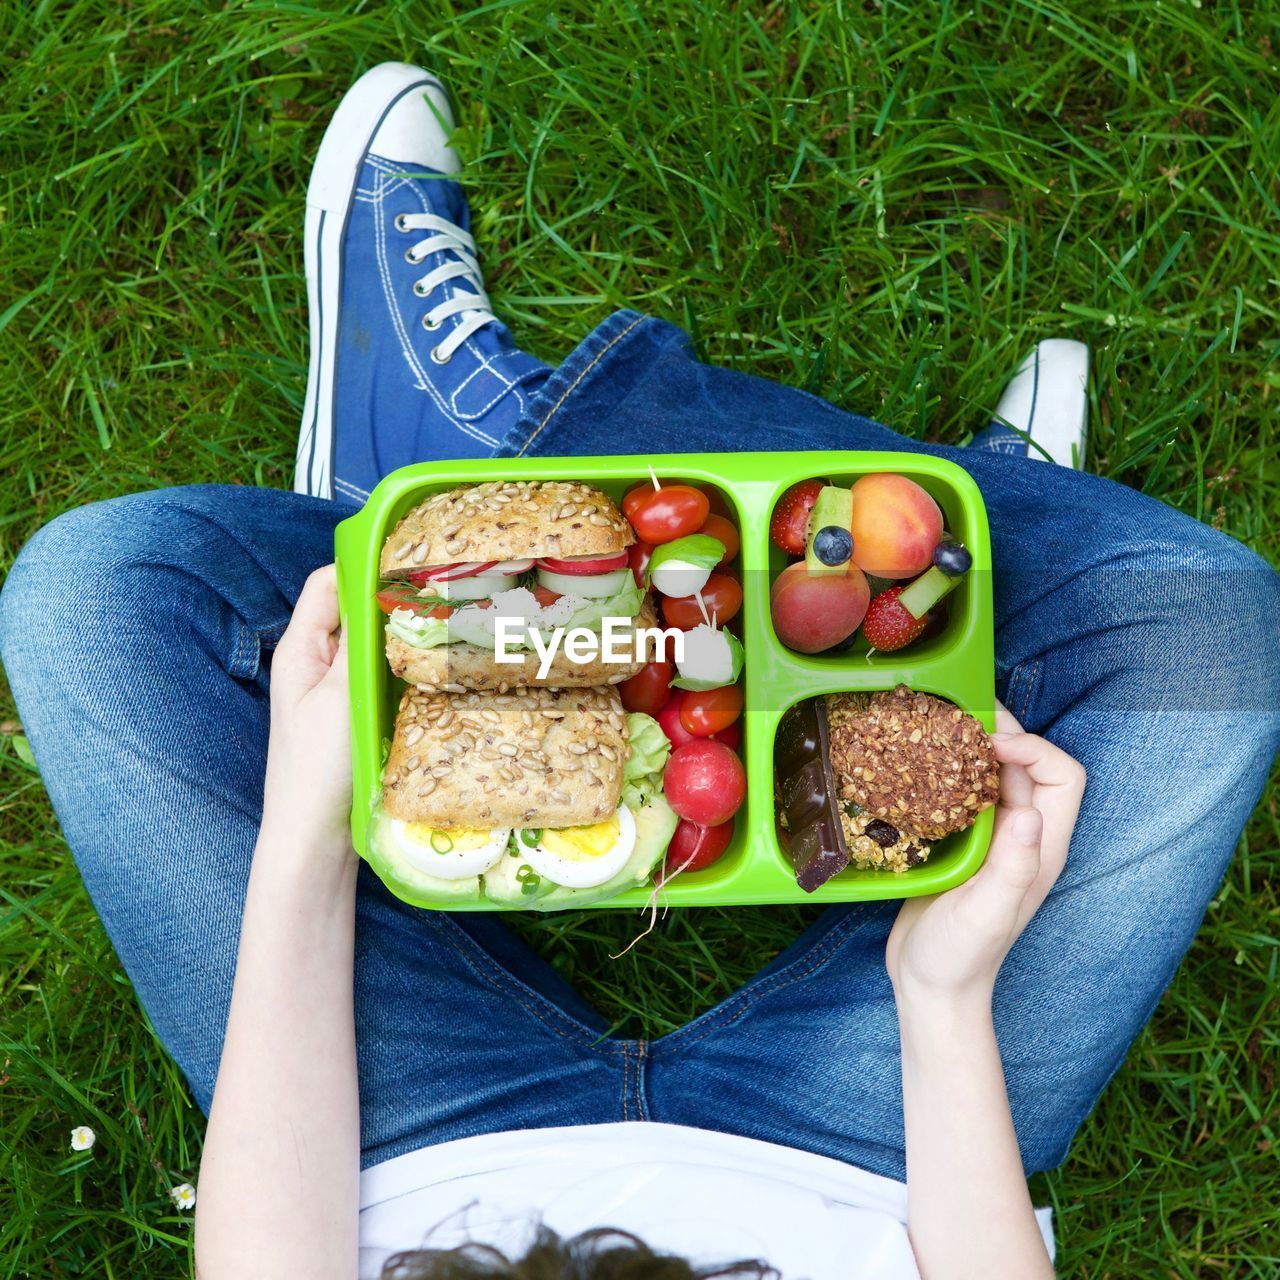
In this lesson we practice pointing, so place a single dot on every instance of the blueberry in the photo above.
(832, 544)
(953, 559)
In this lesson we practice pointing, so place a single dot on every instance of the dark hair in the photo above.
(600, 1254)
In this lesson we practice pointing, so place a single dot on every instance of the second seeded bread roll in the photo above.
(529, 758)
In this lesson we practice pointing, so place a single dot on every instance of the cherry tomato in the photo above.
(705, 782)
(581, 566)
(708, 711)
(663, 515)
(730, 735)
(639, 556)
(720, 527)
(669, 718)
(722, 596)
(694, 848)
(716, 500)
(647, 690)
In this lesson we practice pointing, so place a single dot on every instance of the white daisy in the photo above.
(82, 1138)
(184, 1196)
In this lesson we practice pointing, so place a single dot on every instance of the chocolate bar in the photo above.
(810, 798)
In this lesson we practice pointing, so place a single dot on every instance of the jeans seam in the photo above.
(737, 1005)
(484, 966)
(591, 364)
(1022, 687)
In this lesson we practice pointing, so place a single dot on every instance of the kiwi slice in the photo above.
(830, 551)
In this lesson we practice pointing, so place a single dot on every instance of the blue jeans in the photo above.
(1137, 639)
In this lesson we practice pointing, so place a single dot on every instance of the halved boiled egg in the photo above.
(582, 857)
(450, 853)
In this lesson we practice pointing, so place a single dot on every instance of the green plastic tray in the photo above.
(957, 664)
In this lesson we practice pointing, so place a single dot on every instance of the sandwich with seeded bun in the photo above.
(539, 555)
(539, 798)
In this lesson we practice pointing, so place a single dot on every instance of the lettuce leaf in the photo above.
(642, 774)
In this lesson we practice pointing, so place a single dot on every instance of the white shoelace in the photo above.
(472, 307)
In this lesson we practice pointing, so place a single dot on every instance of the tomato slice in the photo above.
(581, 566)
(393, 598)
(448, 572)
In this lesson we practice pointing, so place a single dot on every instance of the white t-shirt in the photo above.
(710, 1197)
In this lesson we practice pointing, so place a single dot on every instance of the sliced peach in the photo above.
(812, 612)
(895, 526)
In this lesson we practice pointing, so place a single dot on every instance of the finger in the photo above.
(1049, 766)
(316, 612)
(1012, 867)
(1006, 721)
(308, 638)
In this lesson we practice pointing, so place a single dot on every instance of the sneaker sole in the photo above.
(330, 194)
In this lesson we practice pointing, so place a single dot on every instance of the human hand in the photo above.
(308, 785)
(954, 943)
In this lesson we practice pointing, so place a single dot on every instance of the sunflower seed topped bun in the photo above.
(532, 757)
(506, 520)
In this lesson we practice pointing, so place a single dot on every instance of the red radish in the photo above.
(730, 735)
(448, 572)
(647, 690)
(694, 848)
(576, 566)
(705, 782)
(669, 718)
(888, 625)
(790, 522)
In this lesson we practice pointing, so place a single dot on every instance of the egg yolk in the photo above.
(580, 844)
(446, 839)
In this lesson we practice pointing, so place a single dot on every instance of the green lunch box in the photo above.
(958, 663)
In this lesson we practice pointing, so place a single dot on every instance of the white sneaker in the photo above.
(1044, 411)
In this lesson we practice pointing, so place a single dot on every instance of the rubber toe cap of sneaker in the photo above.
(416, 127)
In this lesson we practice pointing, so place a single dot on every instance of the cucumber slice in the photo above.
(834, 511)
(587, 586)
(480, 587)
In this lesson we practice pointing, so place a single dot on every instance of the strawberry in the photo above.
(888, 625)
(790, 521)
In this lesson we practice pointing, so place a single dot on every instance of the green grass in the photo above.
(885, 202)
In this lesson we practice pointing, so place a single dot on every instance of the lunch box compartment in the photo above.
(957, 664)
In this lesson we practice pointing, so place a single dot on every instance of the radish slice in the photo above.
(514, 566)
(584, 564)
(448, 572)
(595, 586)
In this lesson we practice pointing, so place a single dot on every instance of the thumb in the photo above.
(1013, 861)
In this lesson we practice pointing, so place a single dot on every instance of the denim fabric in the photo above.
(150, 730)
(392, 403)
